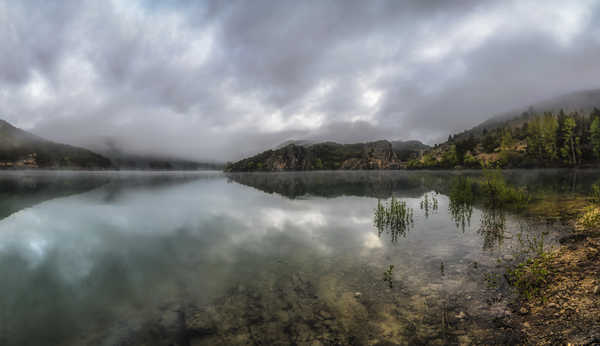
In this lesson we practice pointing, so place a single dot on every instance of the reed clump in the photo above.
(429, 204)
(394, 217)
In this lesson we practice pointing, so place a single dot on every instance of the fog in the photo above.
(216, 80)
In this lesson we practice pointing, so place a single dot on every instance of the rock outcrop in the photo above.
(329, 155)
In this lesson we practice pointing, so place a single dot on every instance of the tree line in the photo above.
(532, 140)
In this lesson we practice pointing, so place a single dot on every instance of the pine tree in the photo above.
(595, 113)
(507, 140)
(568, 149)
(534, 138)
(549, 132)
(595, 136)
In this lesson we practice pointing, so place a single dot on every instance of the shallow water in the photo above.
(208, 258)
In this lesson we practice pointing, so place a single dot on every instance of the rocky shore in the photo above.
(567, 309)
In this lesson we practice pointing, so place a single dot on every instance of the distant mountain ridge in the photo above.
(299, 142)
(124, 159)
(331, 156)
(159, 162)
(20, 149)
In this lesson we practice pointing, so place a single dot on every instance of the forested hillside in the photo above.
(551, 139)
(22, 150)
(322, 156)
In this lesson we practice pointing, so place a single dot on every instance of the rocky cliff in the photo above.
(329, 155)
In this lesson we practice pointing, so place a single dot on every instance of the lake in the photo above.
(205, 258)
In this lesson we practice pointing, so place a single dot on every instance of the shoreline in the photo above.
(567, 308)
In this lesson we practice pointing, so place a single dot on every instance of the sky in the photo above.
(220, 80)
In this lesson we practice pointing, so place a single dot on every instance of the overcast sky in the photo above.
(224, 79)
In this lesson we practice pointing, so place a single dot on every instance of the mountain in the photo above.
(328, 155)
(122, 157)
(560, 132)
(299, 142)
(582, 101)
(20, 149)
(159, 162)
(408, 150)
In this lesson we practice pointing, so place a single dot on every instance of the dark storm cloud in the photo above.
(219, 80)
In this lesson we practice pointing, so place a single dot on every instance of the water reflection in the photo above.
(493, 223)
(378, 184)
(25, 189)
(461, 202)
(167, 259)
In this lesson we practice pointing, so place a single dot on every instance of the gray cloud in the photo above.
(220, 80)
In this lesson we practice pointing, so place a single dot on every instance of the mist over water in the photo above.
(106, 258)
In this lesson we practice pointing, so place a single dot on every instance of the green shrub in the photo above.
(318, 164)
(595, 198)
(498, 193)
(471, 161)
(589, 220)
(530, 277)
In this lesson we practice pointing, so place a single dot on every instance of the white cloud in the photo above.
(219, 79)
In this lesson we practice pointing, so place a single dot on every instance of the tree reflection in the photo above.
(461, 202)
(493, 221)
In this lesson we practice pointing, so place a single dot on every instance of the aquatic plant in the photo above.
(497, 193)
(395, 217)
(492, 226)
(380, 215)
(388, 276)
(429, 203)
(531, 275)
(531, 244)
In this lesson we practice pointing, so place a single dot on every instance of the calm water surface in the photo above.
(291, 258)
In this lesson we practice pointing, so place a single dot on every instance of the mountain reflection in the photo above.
(380, 184)
(101, 263)
(23, 190)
